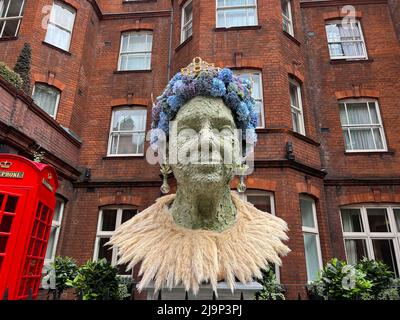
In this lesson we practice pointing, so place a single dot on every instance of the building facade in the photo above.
(326, 160)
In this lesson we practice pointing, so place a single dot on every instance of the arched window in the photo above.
(127, 132)
(46, 97)
(372, 231)
(110, 218)
(296, 106)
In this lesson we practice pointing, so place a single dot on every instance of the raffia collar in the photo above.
(173, 255)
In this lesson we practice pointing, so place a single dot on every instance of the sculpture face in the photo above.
(206, 142)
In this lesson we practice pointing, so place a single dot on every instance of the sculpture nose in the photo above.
(205, 138)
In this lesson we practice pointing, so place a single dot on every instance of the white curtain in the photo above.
(46, 98)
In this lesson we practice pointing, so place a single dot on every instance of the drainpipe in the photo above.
(171, 26)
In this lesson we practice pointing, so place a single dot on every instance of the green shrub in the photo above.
(65, 270)
(378, 273)
(23, 67)
(11, 76)
(340, 281)
(271, 290)
(98, 280)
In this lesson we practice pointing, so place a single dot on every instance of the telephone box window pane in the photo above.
(1, 261)
(127, 214)
(1, 200)
(3, 243)
(378, 220)
(351, 220)
(11, 204)
(104, 251)
(109, 219)
(43, 217)
(384, 251)
(6, 222)
(356, 249)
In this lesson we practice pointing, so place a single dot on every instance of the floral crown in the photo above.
(201, 78)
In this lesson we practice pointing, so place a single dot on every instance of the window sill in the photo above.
(8, 38)
(56, 48)
(131, 71)
(123, 157)
(289, 36)
(346, 61)
(368, 153)
(256, 27)
(183, 43)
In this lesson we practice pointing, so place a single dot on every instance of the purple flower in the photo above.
(175, 102)
(232, 100)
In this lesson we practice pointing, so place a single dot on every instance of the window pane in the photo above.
(397, 218)
(358, 113)
(51, 243)
(378, 138)
(307, 212)
(235, 17)
(60, 26)
(384, 251)
(362, 139)
(10, 29)
(126, 143)
(285, 7)
(343, 116)
(351, 220)
(187, 13)
(11, 204)
(294, 99)
(333, 34)
(104, 251)
(311, 253)
(356, 249)
(14, 9)
(57, 210)
(374, 114)
(46, 98)
(109, 219)
(127, 214)
(261, 202)
(378, 220)
(347, 141)
(129, 119)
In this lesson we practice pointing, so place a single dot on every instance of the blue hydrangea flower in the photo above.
(175, 102)
(218, 88)
(242, 112)
(225, 75)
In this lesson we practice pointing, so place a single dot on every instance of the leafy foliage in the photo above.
(23, 67)
(340, 281)
(65, 270)
(271, 290)
(98, 280)
(378, 273)
(367, 280)
(11, 76)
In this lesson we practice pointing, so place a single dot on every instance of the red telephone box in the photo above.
(27, 202)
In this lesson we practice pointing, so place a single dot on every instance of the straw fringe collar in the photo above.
(173, 255)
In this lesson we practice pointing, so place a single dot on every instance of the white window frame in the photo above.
(298, 110)
(108, 234)
(57, 101)
(313, 231)
(57, 225)
(19, 17)
(260, 99)
(109, 154)
(128, 34)
(185, 25)
(362, 40)
(263, 193)
(366, 126)
(288, 21)
(68, 8)
(368, 236)
(225, 8)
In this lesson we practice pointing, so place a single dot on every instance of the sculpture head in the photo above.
(206, 143)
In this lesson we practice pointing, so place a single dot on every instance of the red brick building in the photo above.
(326, 159)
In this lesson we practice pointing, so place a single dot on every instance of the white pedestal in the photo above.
(206, 293)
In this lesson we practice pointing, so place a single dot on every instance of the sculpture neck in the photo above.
(211, 209)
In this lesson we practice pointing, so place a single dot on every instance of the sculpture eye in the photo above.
(226, 131)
